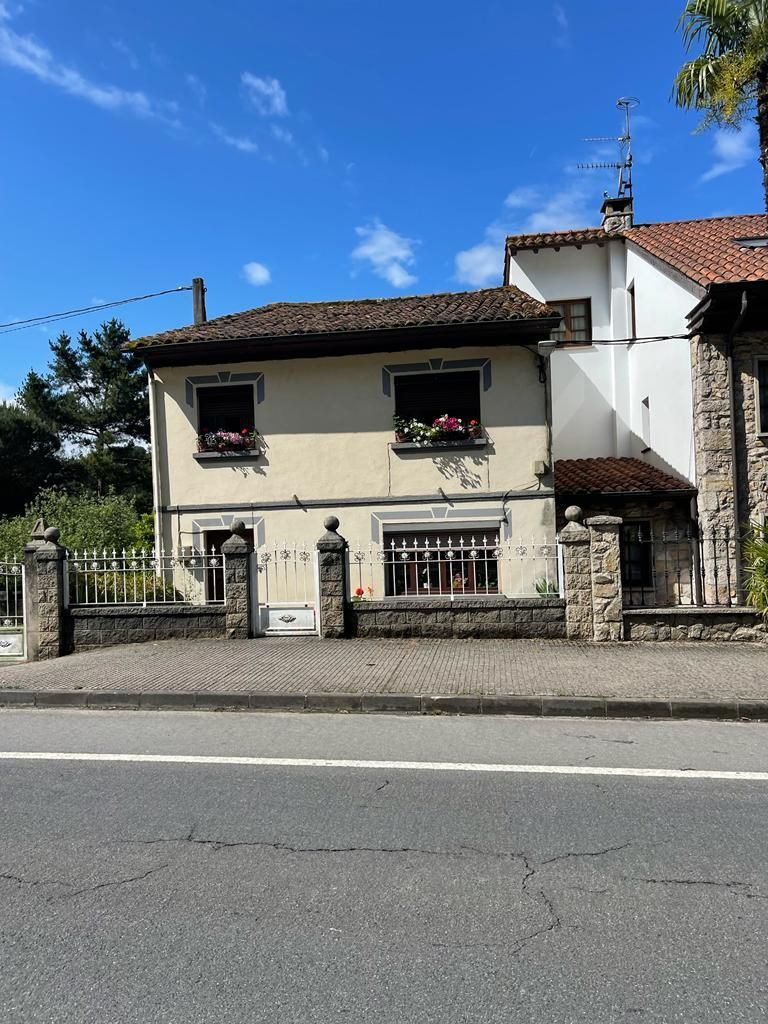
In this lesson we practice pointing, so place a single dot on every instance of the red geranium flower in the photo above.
(359, 592)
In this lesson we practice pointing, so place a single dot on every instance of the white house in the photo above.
(621, 383)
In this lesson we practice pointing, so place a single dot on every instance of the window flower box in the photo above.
(228, 441)
(444, 431)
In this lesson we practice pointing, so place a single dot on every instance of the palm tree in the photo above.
(728, 81)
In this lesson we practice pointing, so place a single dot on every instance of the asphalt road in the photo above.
(146, 891)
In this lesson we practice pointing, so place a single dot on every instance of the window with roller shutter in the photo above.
(225, 408)
(425, 396)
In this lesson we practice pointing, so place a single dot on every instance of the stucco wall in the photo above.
(327, 426)
(661, 371)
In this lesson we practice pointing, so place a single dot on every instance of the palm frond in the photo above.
(721, 23)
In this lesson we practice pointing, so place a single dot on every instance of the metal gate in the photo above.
(284, 589)
(12, 632)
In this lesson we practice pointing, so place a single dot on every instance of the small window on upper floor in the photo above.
(761, 396)
(576, 324)
(229, 407)
(425, 396)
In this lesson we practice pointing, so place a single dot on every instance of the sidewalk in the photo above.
(416, 674)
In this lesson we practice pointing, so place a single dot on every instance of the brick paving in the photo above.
(310, 665)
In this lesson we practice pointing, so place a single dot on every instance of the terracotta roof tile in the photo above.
(614, 476)
(295, 319)
(708, 251)
(557, 239)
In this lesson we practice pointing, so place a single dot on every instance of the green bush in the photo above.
(86, 521)
(755, 557)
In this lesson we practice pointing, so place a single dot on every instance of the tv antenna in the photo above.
(624, 164)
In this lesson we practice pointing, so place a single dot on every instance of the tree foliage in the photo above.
(86, 521)
(728, 80)
(94, 396)
(29, 458)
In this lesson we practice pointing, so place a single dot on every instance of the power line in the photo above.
(51, 318)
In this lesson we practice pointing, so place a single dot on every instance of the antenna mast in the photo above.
(624, 163)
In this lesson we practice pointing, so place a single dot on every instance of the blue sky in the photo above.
(301, 150)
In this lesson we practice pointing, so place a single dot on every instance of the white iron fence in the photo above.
(11, 593)
(454, 566)
(187, 576)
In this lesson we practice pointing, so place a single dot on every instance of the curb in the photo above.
(396, 703)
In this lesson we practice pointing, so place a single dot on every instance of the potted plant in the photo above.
(475, 429)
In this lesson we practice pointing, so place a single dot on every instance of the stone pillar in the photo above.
(605, 557)
(331, 557)
(578, 576)
(44, 598)
(237, 583)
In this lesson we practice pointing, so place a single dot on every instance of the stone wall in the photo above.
(90, 626)
(524, 618)
(738, 624)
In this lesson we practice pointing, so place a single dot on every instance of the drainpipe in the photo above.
(734, 464)
(155, 461)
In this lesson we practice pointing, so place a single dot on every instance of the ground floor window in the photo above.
(214, 573)
(431, 563)
(637, 554)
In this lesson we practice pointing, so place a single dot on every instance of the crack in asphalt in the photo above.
(33, 882)
(588, 853)
(734, 887)
(220, 844)
(107, 885)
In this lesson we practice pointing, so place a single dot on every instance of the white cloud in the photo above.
(265, 94)
(25, 54)
(323, 153)
(7, 393)
(733, 149)
(563, 36)
(241, 142)
(387, 253)
(481, 265)
(535, 209)
(256, 274)
(127, 52)
(522, 197)
(282, 134)
(566, 208)
(196, 87)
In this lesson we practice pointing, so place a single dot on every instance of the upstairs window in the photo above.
(425, 396)
(229, 408)
(576, 323)
(762, 395)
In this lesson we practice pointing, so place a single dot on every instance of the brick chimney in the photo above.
(618, 214)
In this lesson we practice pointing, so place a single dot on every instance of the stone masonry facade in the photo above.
(713, 450)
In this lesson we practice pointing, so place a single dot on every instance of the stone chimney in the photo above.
(618, 214)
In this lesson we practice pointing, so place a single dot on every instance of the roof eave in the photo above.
(422, 336)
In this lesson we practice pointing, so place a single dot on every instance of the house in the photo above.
(663, 357)
(284, 415)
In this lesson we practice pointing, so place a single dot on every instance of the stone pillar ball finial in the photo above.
(574, 514)
(238, 527)
(331, 524)
(52, 534)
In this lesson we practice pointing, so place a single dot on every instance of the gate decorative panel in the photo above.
(286, 588)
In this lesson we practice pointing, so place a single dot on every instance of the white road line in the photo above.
(413, 766)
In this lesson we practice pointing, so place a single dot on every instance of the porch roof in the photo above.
(617, 476)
